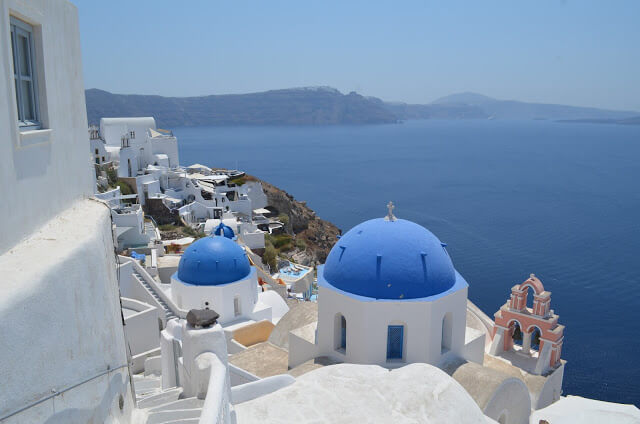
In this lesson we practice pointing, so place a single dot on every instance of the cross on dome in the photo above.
(390, 216)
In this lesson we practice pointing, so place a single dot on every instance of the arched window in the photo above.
(447, 333)
(340, 333)
(535, 338)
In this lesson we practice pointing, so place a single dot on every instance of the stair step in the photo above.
(172, 416)
(185, 421)
(162, 398)
(145, 385)
(189, 403)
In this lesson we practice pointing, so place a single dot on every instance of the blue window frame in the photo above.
(395, 341)
(24, 74)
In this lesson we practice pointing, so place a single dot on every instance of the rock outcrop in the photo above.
(313, 237)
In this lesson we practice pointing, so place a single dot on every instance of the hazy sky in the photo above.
(583, 53)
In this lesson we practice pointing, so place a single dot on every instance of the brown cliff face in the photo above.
(313, 237)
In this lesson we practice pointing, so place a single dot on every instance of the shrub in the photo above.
(237, 181)
(270, 256)
(167, 227)
(300, 244)
(284, 218)
(112, 176)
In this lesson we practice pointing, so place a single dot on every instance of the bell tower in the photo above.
(531, 331)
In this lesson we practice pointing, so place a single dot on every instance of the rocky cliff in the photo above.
(313, 237)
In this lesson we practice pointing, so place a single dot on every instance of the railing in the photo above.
(216, 403)
(55, 392)
(181, 313)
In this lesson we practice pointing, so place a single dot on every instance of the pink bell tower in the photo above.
(530, 331)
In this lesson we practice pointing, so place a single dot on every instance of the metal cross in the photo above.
(390, 216)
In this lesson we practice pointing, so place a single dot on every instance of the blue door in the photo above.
(395, 341)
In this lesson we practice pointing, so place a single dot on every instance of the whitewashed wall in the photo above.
(367, 323)
(43, 172)
(63, 347)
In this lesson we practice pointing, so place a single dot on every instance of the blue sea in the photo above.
(509, 198)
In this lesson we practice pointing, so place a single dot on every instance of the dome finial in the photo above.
(390, 216)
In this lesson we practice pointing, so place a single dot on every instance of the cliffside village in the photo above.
(137, 290)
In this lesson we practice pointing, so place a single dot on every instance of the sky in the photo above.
(584, 53)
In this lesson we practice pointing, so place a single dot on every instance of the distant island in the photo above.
(328, 106)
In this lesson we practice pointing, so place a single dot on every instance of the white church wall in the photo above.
(550, 391)
(33, 162)
(221, 297)
(368, 321)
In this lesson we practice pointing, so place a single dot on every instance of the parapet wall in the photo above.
(63, 342)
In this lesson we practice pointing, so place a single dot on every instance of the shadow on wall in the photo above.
(110, 402)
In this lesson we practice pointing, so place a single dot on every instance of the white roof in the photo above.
(182, 241)
(579, 410)
(147, 120)
(198, 166)
(261, 211)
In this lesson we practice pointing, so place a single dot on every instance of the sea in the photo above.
(510, 198)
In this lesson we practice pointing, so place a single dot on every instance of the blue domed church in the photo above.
(388, 294)
(215, 273)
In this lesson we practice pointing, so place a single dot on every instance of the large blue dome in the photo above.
(213, 260)
(390, 259)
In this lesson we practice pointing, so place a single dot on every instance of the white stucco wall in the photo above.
(60, 320)
(220, 298)
(367, 323)
(112, 129)
(33, 164)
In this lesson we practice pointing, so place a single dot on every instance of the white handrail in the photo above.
(216, 403)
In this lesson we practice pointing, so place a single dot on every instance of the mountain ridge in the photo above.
(323, 105)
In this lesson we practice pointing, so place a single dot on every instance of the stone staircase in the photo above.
(168, 313)
(164, 406)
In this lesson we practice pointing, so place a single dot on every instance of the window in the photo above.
(132, 134)
(236, 306)
(97, 152)
(343, 334)
(395, 342)
(447, 330)
(24, 74)
(340, 333)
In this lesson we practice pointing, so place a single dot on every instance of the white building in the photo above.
(63, 355)
(137, 143)
(214, 273)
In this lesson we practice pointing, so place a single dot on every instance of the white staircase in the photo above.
(164, 406)
(168, 313)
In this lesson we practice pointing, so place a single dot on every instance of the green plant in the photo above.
(112, 176)
(237, 181)
(167, 227)
(125, 189)
(284, 218)
(270, 256)
(300, 244)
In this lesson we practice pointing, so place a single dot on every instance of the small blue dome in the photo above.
(213, 260)
(224, 230)
(390, 259)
